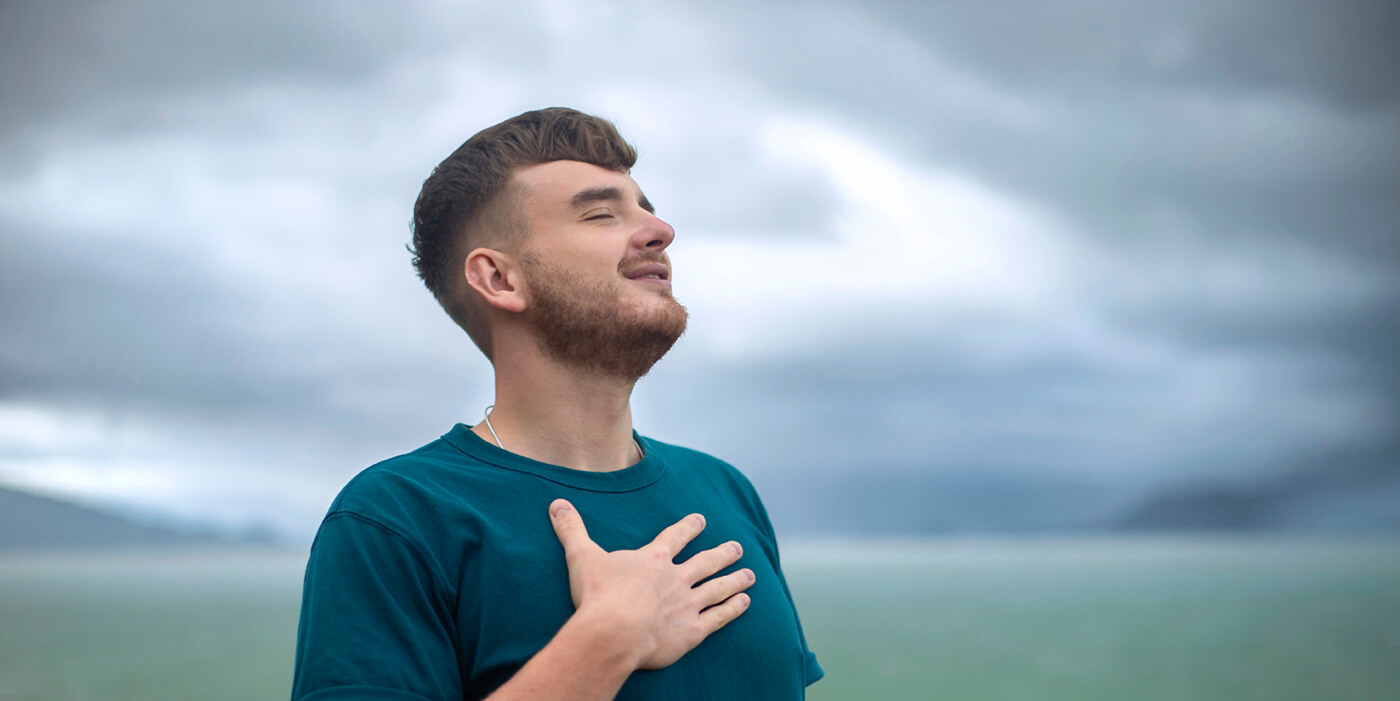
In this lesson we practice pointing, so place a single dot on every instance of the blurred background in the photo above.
(1065, 332)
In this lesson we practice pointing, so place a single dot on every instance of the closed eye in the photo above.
(596, 217)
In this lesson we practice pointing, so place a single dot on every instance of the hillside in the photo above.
(1345, 493)
(1356, 491)
(32, 522)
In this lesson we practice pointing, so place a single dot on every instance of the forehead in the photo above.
(554, 184)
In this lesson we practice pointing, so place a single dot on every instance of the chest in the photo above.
(513, 595)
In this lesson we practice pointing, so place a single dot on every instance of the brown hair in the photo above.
(462, 207)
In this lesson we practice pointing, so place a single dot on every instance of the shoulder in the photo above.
(695, 464)
(400, 492)
(399, 474)
(691, 458)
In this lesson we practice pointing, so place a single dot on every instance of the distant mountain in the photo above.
(918, 502)
(1359, 492)
(1352, 492)
(32, 522)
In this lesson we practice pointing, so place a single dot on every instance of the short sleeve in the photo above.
(814, 669)
(376, 620)
(812, 672)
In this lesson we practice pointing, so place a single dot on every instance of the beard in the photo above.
(586, 326)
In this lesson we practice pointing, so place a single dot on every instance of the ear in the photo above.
(497, 277)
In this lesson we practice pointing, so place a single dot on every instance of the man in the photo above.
(549, 552)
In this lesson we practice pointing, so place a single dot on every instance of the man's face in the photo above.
(598, 274)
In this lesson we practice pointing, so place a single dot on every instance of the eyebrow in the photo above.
(605, 194)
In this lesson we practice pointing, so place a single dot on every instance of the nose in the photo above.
(655, 235)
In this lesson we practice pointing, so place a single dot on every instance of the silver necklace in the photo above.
(487, 413)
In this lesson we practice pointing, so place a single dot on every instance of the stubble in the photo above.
(586, 325)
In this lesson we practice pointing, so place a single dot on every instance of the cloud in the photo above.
(1118, 241)
(1063, 106)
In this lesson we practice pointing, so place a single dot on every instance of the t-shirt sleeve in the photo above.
(376, 620)
(813, 671)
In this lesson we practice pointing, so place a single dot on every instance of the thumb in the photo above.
(568, 527)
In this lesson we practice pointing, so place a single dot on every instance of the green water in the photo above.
(1112, 619)
(1128, 619)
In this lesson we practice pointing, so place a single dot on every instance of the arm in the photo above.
(634, 609)
(376, 618)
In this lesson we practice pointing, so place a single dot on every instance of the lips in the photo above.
(654, 271)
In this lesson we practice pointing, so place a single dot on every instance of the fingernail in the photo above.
(743, 600)
(698, 519)
(558, 509)
(736, 548)
(748, 574)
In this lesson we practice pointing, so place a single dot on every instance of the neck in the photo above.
(555, 414)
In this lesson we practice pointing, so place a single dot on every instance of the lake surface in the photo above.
(1018, 619)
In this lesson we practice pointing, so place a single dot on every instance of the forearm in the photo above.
(585, 661)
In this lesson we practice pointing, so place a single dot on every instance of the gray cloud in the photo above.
(1186, 129)
(940, 403)
(163, 339)
(99, 320)
(230, 264)
(120, 58)
(1336, 52)
(1264, 121)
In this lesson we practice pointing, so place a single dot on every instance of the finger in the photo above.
(719, 615)
(674, 538)
(707, 563)
(721, 588)
(568, 527)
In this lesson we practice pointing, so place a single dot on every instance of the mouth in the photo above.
(650, 272)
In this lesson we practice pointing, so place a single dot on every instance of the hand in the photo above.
(643, 596)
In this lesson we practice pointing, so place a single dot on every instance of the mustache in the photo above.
(643, 258)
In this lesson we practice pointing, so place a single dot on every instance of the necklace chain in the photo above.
(492, 429)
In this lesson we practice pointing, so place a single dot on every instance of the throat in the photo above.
(597, 450)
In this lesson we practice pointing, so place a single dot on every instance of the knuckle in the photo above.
(727, 613)
(737, 605)
(703, 626)
(711, 593)
(737, 582)
(725, 587)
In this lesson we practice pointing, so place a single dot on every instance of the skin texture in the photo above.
(558, 305)
(645, 592)
(549, 408)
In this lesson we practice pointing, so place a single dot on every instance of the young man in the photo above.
(464, 569)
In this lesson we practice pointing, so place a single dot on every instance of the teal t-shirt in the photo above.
(436, 575)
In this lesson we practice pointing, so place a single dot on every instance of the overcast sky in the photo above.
(1137, 242)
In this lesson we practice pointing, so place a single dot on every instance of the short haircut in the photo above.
(464, 204)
